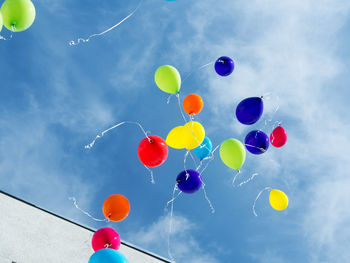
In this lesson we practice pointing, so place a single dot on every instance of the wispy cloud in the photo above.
(183, 244)
(289, 49)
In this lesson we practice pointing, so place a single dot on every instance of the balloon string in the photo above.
(235, 177)
(73, 43)
(256, 199)
(171, 221)
(248, 180)
(200, 165)
(89, 146)
(174, 198)
(206, 165)
(179, 103)
(151, 174)
(261, 149)
(266, 96)
(169, 98)
(192, 157)
(207, 198)
(86, 213)
(208, 64)
(267, 121)
(185, 158)
(13, 29)
(210, 158)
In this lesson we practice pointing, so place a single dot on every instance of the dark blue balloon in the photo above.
(250, 110)
(189, 181)
(256, 142)
(224, 66)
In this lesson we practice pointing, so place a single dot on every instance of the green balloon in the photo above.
(168, 79)
(0, 22)
(232, 153)
(18, 15)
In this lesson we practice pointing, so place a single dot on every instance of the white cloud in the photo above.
(327, 221)
(183, 244)
(288, 48)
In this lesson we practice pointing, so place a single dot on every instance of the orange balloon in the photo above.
(193, 104)
(116, 208)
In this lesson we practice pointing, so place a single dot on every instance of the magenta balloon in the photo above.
(105, 238)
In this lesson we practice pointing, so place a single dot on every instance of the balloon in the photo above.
(278, 200)
(194, 134)
(189, 136)
(250, 110)
(224, 66)
(18, 15)
(168, 79)
(232, 153)
(256, 142)
(105, 238)
(152, 151)
(278, 137)
(193, 104)
(108, 255)
(189, 181)
(204, 150)
(1, 23)
(116, 208)
(175, 138)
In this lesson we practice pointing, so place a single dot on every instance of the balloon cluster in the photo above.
(153, 151)
(191, 136)
(17, 15)
(257, 142)
(106, 241)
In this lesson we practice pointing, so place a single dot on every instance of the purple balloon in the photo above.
(250, 110)
(224, 66)
(189, 181)
(256, 142)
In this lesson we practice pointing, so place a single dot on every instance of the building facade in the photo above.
(29, 234)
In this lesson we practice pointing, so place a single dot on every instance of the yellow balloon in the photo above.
(194, 134)
(278, 200)
(176, 138)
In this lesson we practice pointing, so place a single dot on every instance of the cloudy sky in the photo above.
(55, 98)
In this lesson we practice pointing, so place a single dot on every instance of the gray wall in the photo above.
(29, 234)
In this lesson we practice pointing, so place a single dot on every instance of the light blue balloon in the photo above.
(204, 149)
(108, 255)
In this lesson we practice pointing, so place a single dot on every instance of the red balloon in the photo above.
(152, 151)
(278, 137)
(105, 238)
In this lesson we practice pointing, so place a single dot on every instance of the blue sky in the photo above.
(56, 98)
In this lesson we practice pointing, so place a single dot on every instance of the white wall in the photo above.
(30, 235)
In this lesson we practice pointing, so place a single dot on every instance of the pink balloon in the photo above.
(105, 238)
(278, 137)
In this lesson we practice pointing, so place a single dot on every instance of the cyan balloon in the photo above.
(108, 255)
(204, 150)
